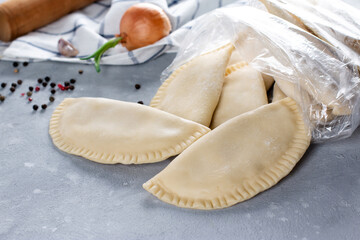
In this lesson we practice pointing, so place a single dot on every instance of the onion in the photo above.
(141, 25)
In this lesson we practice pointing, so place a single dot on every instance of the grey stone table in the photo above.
(47, 194)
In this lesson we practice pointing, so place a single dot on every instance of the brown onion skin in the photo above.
(143, 24)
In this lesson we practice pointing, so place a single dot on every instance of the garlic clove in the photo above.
(66, 48)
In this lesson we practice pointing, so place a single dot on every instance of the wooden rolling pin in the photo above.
(19, 17)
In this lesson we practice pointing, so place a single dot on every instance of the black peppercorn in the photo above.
(35, 107)
(15, 64)
(12, 89)
(81, 71)
(71, 87)
(51, 99)
(53, 91)
(25, 64)
(47, 79)
(19, 82)
(29, 94)
(44, 84)
(14, 85)
(2, 98)
(44, 106)
(66, 84)
(3, 85)
(31, 89)
(140, 102)
(137, 86)
(52, 84)
(40, 81)
(72, 81)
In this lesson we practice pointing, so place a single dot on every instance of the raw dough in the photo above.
(244, 156)
(110, 131)
(277, 93)
(282, 13)
(289, 88)
(237, 58)
(193, 90)
(243, 90)
(326, 98)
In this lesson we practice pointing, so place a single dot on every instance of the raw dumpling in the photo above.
(288, 88)
(244, 156)
(326, 20)
(320, 114)
(326, 98)
(277, 93)
(282, 13)
(317, 113)
(243, 90)
(236, 58)
(109, 131)
(193, 90)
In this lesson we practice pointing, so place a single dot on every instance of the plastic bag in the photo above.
(323, 81)
(331, 20)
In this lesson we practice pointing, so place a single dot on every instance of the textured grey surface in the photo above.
(47, 194)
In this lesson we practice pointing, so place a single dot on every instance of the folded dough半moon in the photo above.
(243, 90)
(192, 91)
(109, 131)
(239, 159)
(277, 93)
(237, 58)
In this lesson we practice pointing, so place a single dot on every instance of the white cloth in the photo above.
(89, 28)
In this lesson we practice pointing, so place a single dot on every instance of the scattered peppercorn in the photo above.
(19, 82)
(71, 87)
(25, 64)
(37, 89)
(81, 71)
(35, 107)
(30, 99)
(66, 84)
(62, 88)
(51, 99)
(40, 80)
(22, 94)
(2, 98)
(47, 79)
(72, 81)
(16, 70)
(44, 84)
(137, 86)
(52, 84)
(140, 102)
(53, 91)
(15, 64)
(12, 89)
(14, 85)
(31, 89)
(29, 94)
(3, 85)
(44, 106)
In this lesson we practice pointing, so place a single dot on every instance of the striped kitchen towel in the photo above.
(89, 28)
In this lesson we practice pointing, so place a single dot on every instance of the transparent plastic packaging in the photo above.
(333, 21)
(318, 76)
